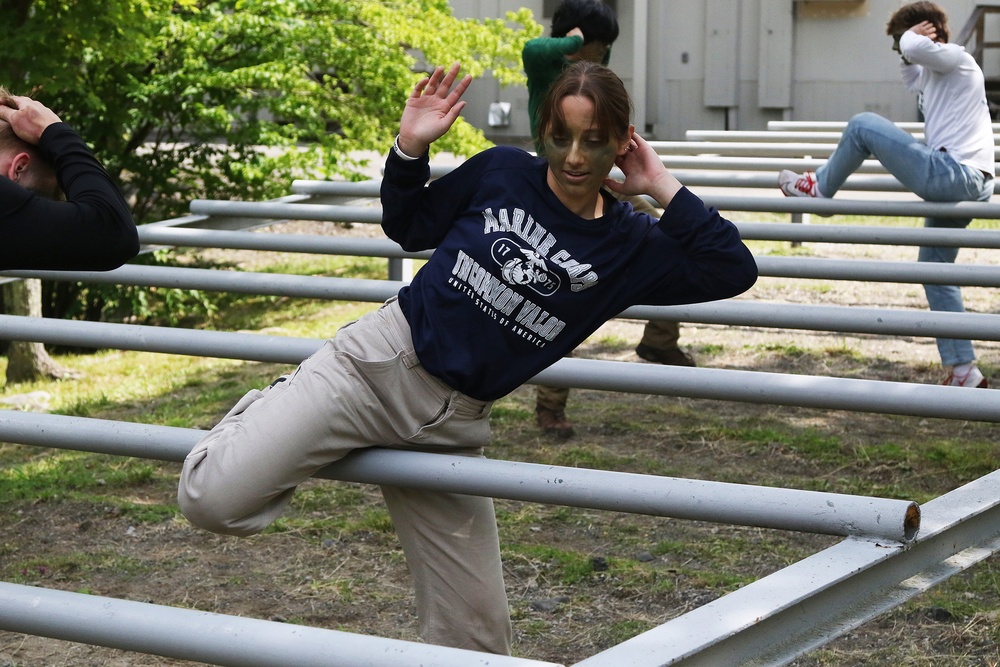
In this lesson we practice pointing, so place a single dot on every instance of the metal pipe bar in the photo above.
(750, 203)
(869, 234)
(242, 282)
(776, 136)
(370, 188)
(809, 603)
(217, 639)
(165, 340)
(746, 163)
(985, 210)
(282, 349)
(754, 163)
(719, 384)
(735, 179)
(835, 206)
(839, 319)
(804, 391)
(750, 148)
(277, 210)
(877, 271)
(839, 125)
(697, 500)
(749, 231)
(305, 243)
(745, 179)
(318, 287)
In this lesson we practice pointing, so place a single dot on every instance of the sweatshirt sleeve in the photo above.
(418, 215)
(92, 230)
(935, 56)
(713, 262)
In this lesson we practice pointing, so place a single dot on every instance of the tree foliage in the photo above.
(235, 98)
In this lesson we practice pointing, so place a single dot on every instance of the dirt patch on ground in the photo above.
(578, 580)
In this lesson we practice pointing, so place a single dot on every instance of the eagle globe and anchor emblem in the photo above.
(524, 266)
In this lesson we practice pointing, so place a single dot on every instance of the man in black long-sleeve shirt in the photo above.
(59, 208)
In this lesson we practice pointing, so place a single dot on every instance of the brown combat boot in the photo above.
(554, 422)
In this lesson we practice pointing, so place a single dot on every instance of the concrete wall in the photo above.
(736, 64)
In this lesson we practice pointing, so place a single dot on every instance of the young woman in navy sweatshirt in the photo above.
(532, 256)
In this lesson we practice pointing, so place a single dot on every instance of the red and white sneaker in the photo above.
(974, 378)
(794, 185)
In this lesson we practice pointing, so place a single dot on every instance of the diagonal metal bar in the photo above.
(805, 605)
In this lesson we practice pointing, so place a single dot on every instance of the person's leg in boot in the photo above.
(550, 411)
(453, 551)
(659, 344)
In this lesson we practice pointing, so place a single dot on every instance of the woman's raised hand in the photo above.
(644, 173)
(431, 110)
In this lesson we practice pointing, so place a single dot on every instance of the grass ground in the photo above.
(578, 580)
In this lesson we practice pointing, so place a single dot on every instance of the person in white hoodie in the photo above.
(954, 163)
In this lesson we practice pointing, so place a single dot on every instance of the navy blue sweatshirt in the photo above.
(92, 230)
(517, 281)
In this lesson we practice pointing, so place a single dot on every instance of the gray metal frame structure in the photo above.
(892, 550)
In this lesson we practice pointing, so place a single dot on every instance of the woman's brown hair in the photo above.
(612, 105)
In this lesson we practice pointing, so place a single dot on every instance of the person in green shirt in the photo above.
(584, 30)
(581, 30)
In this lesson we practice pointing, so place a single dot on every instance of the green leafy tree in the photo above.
(235, 98)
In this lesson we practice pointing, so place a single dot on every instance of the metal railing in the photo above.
(883, 560)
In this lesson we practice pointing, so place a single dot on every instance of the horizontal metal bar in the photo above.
(719, 384)
(735, 179)
(816, 268)
(305, 243)
(281, 349)
(805, 391)
(749, 231)
(241, 282)
(166, 340)
(751, 148)
(839, 319)
(838, 125)
(809, 603)
(217, 639)
(248, 282)
(369, 188)
(276, 210)
(840, 206)
(776, 136)
(753, 163)
(869, 234)
(835, 206)
(698, 500)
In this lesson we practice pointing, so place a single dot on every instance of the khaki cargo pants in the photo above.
(364, 388)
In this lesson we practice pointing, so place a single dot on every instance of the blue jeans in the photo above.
(933, 176)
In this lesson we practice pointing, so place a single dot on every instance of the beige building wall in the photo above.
(736, 64)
